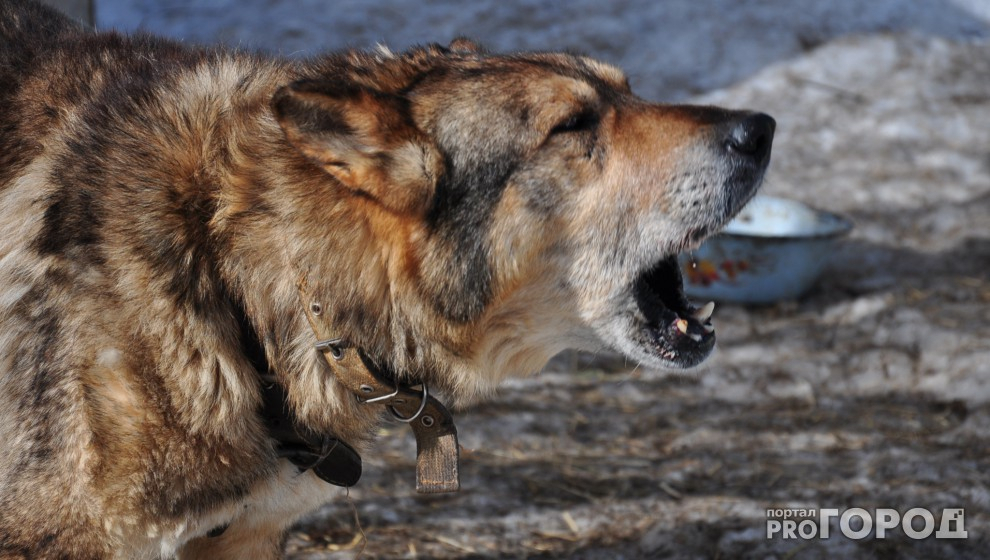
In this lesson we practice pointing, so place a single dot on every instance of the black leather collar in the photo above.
(330, 458)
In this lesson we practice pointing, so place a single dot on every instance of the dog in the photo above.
(182, 226)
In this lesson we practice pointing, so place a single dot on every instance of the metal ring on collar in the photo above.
(422, 406)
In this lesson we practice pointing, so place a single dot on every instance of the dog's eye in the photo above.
(578, 122)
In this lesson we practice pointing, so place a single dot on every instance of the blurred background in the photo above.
(670, 49)
(871, 389)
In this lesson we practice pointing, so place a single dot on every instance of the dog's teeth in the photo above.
(682, 325)
(705, 312)
(709, 328)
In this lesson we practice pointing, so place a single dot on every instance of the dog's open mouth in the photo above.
(675, 330)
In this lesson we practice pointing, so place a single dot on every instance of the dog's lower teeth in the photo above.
(705, 312)
(682, 325)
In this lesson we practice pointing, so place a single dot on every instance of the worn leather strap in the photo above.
(437, 449)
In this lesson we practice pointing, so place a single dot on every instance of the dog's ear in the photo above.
(362, 137)
(464, 45)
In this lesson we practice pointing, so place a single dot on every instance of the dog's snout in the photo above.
(752, 136)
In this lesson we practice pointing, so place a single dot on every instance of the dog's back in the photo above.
(28, 32)
(78, 288)
(40, 429)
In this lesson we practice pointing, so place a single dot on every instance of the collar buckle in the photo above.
(437, 448)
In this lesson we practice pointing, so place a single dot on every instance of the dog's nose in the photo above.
(752, 136)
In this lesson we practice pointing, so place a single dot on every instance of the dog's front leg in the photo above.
(240, 540)
(263, 519)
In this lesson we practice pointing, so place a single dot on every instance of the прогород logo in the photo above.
(858, 523)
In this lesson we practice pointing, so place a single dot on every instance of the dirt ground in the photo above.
(873, 391)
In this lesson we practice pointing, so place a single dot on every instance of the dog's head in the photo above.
(522, 204)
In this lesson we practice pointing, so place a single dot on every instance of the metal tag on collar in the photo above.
(437, 449)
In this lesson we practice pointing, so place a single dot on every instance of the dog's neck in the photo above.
(267, 241)
(372, 385)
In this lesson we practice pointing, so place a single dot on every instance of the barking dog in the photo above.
(180, 226)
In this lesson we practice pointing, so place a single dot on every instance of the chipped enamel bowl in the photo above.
(775, 249)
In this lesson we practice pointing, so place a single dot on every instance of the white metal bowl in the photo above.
(775, 249)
